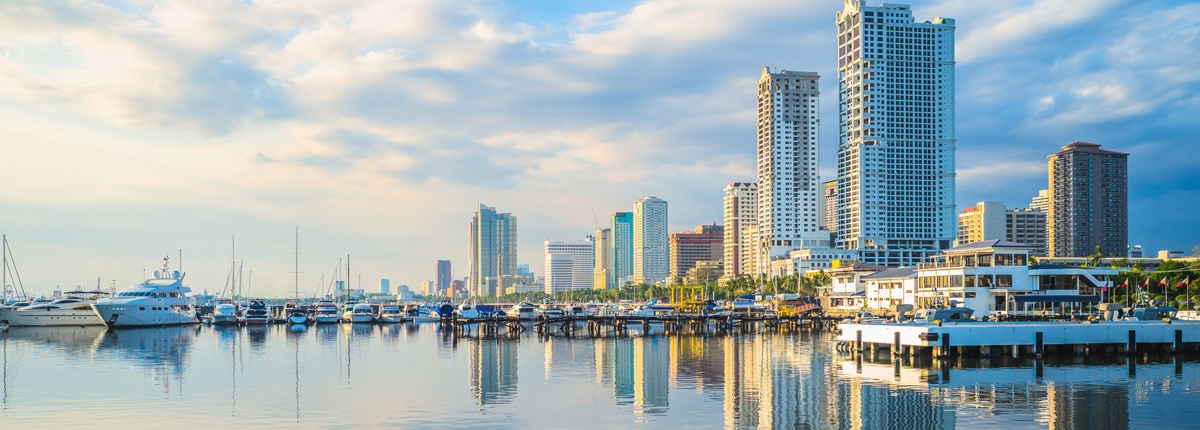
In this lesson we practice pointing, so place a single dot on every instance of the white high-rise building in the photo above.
(789, 184)
(569, 265)
(896, 147)
(651, 250)
(740, 214)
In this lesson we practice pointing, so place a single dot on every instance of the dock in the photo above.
(985, 339)
(619, 325)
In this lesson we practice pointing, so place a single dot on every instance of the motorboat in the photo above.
(225, 313)
(390, 312)
(549, 309)
(421, 312)
(468, 309)
(73, 310)
(158, 301)
(360, 313)
(326, 312)
(522, 311)
(652, 309)
(297, 314)
(257, 313)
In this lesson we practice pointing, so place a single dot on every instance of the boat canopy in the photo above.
(1057, 298)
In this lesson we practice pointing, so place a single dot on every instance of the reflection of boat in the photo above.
(256, 313)
(73, 340)
(162, 349)
(74, 310)
(161, 300)
(325, 312)
(390, 312)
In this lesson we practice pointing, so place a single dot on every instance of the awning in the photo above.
(844, 295)
(1057, 298)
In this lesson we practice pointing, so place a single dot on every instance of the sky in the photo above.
(370, 129)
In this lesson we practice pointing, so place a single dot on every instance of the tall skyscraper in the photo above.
(443, 278)
(650, 250)
(896, 146)
(741, 213)
(493, 252)
(1089, 201)
(788, 181)
(621, 261)
(569, 265)
(603, 258)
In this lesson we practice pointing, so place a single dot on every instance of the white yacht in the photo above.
(257, 313)
(390, 312)
(524, 311)
(161, 300)
(468, 309)
(225, 314)
(326, 312)
(360, 313)
(74, 310)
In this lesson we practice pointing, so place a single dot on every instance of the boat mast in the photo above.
(4, 268)
(297, 269)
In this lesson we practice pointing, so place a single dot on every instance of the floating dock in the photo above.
(1018, 338)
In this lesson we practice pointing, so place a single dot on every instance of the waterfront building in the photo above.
(991, 220)
(603, 258)
(802, 261)
(621, 258)
(493, 250)
(741, 213)
(846, 291)
(650, 248)
(443, 277)
(704, 243)
(895, 183)
(789, 186)
(1028, 226)
(385, 286)
(1089, 201)
(569, 265)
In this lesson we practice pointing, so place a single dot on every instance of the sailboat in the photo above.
(296, 313)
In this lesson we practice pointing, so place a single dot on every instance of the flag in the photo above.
(1124, 283)
(1104, 287)
(1184, 282)
(1145, 283)
(1162, 282)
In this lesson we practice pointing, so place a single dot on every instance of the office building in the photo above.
(493, 250)
(650, 248)
(569, 265)
(603, 258)
(829, 208)
(1089, 201)
(385, 286)
(704, 243)
(740, 213)
(443, 277)
(895, 183)
(621, 258)
(991, 221)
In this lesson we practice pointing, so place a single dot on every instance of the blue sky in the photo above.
(132, 129)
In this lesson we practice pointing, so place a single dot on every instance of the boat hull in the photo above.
(362, 319)
(135, 315)
(326, 318)
(51, 318)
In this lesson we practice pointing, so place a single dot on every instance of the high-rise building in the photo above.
(895, 184)
(621, 261)
(1041, 202)
(991, 221)
(740, 213)
(569, 265)
(493, 250)
(1089, 201)
(385, 286)
(829, 208)
(443, 278)
(705, 243)
(650, 249)
(789, 184)
(603, 258)
(1027, 226)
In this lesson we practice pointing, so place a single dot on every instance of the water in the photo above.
(415, 376)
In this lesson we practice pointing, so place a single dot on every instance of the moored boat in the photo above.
(73, 310)
(360, 313)
(325, 312)
(257, 313)
(524, 311)
(390, 313)
(225, 313)
(158, 301)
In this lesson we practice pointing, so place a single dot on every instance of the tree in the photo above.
(1094, 259)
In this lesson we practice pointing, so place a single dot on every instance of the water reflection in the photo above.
(161, 352)
(493, 370)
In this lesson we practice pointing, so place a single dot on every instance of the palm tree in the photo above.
(1094, 259)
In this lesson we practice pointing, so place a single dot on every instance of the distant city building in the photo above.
(1041, 202)
(603, 258)
(458, 288)
(1135, 251)
(510, 284)
(443, 277)
(385, 286)
(1089, 201)
(789, 186)
(569, 265)
(829, 208)
(1027, 226)
(705, 243)
(740, 213)
(992, 221)
(621, 258)
(428, 288)
(650, 248)
(523, 270)
(895, 184)
(493, 250)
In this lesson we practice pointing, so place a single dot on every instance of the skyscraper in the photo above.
(443, 278)
(741, 213)
(493, 252)
(896, 146)
(1089, 201)
(569, 265)
(621, 260)
(788, 181)
(603, 258)
(650, 250)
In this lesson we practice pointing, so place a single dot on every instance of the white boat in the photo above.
(467, 309)
(298, 315)
(74, 310)
(422, 312)
(158, 301)
(225, 314)
(257, 313)
(326, 312)
(523, 311)
(390, 312)
(360, 313)
(549, 309)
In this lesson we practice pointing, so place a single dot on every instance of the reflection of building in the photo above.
(493, 370)
(1071, 408)
(651, 370)
(771, 383)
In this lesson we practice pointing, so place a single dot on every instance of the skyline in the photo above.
(132, 131)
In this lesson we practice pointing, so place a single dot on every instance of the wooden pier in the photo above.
(620, 325)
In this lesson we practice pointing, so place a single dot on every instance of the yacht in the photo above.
(225, 313)
(297, 314)
(468, 309)
(421, 312)
(158, 301)
(390, 312)
(522, 311)
(257, 313)
(360, 313)
(325, 312)
(73, 310)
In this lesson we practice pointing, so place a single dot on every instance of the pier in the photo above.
(985, 339)
(620, 325)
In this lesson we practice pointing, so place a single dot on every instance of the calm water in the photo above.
(415, 377)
